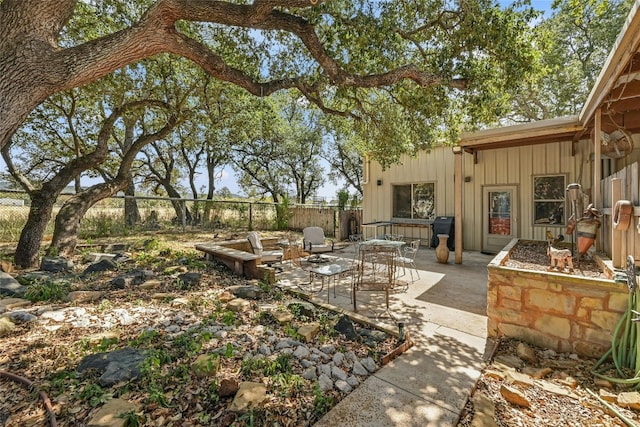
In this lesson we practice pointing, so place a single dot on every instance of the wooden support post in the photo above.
(616, 235)
(458, 182)
(597, 172)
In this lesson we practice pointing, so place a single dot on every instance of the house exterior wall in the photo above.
(505, 166)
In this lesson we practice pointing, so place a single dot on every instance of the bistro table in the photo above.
(329, 271)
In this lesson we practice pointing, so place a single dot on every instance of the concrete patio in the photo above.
(444, 313)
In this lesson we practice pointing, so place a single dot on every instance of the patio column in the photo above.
(597, 172)
(457, 200)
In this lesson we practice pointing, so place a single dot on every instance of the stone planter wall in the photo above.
(567, 313)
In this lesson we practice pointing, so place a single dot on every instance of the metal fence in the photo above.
(108, 218)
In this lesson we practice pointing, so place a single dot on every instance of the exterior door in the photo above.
(500, 219)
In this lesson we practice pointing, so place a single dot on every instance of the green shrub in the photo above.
(48, 291)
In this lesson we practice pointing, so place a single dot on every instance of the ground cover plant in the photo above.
(196, 348)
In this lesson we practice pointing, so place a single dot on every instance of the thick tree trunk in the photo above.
(33, 232)
(131, 211)
(177, 205)
(65, 234)
(211, 180)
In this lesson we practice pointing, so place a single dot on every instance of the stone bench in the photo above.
(232, 253)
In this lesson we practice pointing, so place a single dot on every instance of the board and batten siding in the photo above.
(435, 166)
(494, 167)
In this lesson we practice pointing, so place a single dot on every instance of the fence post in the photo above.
(334, 222)
(250, 216)
(183, 208)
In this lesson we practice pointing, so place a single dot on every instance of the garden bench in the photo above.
(242, 263)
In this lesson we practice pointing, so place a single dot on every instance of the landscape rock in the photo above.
(151, 284)
(92, 257)
(305, 308)
(310, 373)
(10, 286)
(537, 373)
(629, 399)
(246, 291)
(100, 266)
(343, 386)
(6, 266)
(309, 331)
(56, 264)
(239, 305)
(110, 415)
(115, 366)
(282, 317)
(301, 352)
(484, 411)
(509, 360)
(369, 364)
(190, 278)
(249, 395)
(206, 365)
(32, 277)
(514, 396)
(132, 278)
(228, 387)
(526, 353)
(607, 395)
(346, 328)
(21, 317)
(6, 326)
(358, 369)
(515, 377)
(325, 383)
(84, 296)
(12, 303)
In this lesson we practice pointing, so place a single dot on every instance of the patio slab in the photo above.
(444, 313)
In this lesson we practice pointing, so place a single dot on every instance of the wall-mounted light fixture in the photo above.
(456, 149)
(379, 182)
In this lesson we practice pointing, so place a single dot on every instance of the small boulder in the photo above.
(56, 264)
(514, 396)
(629, 399)
(21, 317)
(526, 353)
(206, 365)
(228, 387)
(110, 415)
(246, 291)
(346, 328)
(249, 395)
(6, 326)
(100, 266)
(10, 286)
(309, 332)
(6, 266)
(190, 279)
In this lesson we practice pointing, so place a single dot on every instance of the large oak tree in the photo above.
(325, 49)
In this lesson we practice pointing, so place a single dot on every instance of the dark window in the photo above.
(414, 201)
(549, 200)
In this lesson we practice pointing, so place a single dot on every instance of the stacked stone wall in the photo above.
(566, 313)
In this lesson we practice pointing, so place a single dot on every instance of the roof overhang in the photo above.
(616, 93)
(617, 90)
(540, 132)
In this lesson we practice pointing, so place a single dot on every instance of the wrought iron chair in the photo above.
(408, 259)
